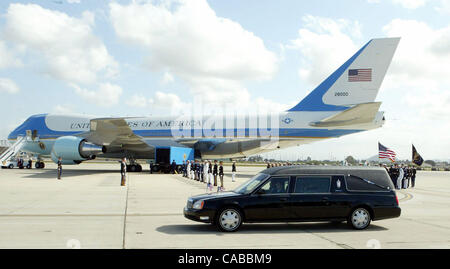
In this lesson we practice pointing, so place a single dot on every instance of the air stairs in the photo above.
(13, 150)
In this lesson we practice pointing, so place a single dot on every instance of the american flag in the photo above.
(355, 75)
(385, 153)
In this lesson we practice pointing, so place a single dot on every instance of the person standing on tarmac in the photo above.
(59, 169)
(210, 173)
(188, 169)
(205, 171)
(123, 171)
(215, 172)
(233, 172)
(173, 167)
(401, 173)
(200, 174)
(192, 170)
(413, 177)
(221, 188)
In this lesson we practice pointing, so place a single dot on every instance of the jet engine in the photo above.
(74, 150)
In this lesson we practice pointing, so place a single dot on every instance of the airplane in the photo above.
(343, 104)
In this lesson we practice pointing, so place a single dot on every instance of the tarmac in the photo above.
(89, 209)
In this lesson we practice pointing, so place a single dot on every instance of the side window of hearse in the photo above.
(275, 185)
(361, 184)
(307, 184)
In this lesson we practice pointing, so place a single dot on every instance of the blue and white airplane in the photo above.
(344, 103)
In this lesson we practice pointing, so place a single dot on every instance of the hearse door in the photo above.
(311, 198)
(340, 202)
(270, 201)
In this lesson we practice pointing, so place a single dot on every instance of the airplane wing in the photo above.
(361, 113)
(114, 132)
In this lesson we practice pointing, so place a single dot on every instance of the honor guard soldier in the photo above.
(215, 172)
(233, 172)
(413, 177)
(210, 174)
(188, 169)
(123, 171)
(205, 171)
(59, 169)
(202, 167)
(173, 167)
(192, 169)
(183, 168)
(221, 188)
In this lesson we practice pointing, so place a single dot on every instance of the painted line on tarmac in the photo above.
(408, 196)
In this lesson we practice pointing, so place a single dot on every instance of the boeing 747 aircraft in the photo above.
(344, 103)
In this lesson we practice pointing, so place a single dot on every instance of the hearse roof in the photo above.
(317, 169)
(377, 175)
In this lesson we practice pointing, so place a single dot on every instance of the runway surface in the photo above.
(89, 209)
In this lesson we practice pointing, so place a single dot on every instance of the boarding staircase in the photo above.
(13, 150)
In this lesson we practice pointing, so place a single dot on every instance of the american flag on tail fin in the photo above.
(362, 74)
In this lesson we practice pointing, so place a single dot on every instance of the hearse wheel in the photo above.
(359, 219)
(228, 219)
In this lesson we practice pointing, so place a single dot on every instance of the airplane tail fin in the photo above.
(357, 81)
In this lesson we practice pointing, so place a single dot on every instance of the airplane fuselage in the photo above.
(220, 136)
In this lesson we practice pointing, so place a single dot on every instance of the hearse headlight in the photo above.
(199, 204)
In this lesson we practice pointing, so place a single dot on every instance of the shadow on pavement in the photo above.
(51, 173)
(266, 228)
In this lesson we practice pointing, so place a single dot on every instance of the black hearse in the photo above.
(301, 193)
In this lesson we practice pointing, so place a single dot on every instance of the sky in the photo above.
(141, 58)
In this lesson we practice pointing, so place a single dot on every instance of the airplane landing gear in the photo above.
(134, 166)
(39, 165)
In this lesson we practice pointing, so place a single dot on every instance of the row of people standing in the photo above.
(270, 165)
(402, 176)
(207, 172)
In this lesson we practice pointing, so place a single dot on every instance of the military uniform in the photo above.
(59, 169)
(221, 177)
(215, 173)
(123, 172)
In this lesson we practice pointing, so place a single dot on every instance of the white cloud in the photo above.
(443, 7)
(137, 100)
(423, 54)
(7, 57)
(324, 45)
(167, 101)
(167, 78)
(213, 55)
(71, 50)
(107, 95)
(410, 4)
(63, 109)
(8, 86)
(73, 1)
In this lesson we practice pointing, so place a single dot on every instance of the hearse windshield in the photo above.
(251, 184)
